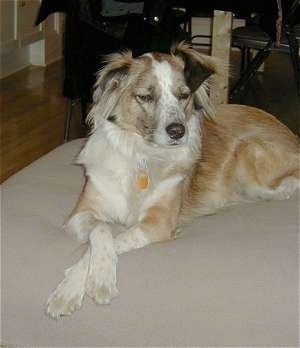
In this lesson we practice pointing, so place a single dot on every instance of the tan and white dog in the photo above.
(160, 155)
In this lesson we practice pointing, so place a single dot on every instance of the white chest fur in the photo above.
(114, 172)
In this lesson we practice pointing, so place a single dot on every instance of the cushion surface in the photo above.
(229, 280)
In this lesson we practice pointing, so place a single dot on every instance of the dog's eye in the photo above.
(183, 96)
(145, 98)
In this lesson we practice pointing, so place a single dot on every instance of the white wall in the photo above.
(21, 42)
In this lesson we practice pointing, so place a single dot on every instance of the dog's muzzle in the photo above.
(175, 130)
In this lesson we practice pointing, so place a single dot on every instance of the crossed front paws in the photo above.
(97, 280)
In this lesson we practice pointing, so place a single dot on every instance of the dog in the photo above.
(159, 155)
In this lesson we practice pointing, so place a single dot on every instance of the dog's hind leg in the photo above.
(284, 187)
(267, 174)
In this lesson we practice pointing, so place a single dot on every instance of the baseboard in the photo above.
(14, 61)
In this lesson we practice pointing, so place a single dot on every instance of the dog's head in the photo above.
(154, 95)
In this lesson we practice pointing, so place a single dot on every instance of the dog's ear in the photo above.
(114, 72)
(197, 67)
(111, 82)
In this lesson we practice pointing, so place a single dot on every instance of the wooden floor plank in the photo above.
(32, 116)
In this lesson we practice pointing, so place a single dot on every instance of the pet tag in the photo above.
(142, 180)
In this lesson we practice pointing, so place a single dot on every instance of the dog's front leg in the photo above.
(101, 279)
(157, 223)
(84, 218)
(94, 273)
(69, 294)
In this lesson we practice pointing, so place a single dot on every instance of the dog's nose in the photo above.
(175, 130)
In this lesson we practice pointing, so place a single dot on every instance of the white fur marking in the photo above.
(168, 107)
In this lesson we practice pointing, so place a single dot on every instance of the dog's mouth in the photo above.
(166, 143)
(170, 143)
(175, 143)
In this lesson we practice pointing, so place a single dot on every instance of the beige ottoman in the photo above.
(230, 280)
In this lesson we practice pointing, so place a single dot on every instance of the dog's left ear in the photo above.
(197, 67)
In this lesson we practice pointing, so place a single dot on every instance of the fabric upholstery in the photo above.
(230, 279)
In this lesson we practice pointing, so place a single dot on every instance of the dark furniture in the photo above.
(255, 36)
(89, 35)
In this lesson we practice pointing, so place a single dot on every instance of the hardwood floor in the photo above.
(33, 109)
(32, 116)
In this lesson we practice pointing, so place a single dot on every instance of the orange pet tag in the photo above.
(142, 181)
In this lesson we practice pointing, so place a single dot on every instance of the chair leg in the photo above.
(294, 51)
(189, 26)
(243, 56)
(247, 57)
(251, 70)
(71, 104)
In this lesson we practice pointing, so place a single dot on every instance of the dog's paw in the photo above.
(176, 233)
(69, 294)
(102, 292)
(65, 300)
(286, 188)
(101, 282)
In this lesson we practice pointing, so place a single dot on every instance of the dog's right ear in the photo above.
(111, 82)
(109, 78)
